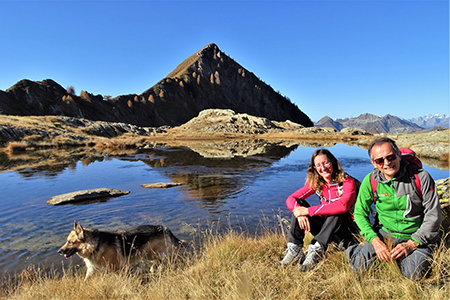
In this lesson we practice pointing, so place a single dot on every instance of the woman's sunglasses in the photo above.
(389, 158)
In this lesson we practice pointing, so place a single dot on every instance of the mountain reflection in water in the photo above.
(239, 184)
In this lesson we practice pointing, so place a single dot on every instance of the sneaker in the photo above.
(313, 255)
(292, 255)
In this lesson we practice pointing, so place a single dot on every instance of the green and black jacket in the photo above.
(401, 212)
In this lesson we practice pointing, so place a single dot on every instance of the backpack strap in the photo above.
(373, 184)
(339, 193)
(417, 183)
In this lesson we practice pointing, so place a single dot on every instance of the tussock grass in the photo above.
(238, 266)
(17, 146)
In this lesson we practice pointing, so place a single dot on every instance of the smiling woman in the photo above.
(329, 221)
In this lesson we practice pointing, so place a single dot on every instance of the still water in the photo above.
(241, 193)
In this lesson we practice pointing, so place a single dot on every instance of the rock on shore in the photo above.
(85, 195)
(160, 185)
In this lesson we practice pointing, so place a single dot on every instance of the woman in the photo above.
(331, 221)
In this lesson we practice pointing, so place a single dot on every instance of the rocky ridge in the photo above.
(371, 123)
(206, 79)
(14, 128)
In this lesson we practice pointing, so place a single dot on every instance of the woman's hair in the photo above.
(313, 178)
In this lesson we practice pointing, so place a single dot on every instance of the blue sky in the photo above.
(334, 58)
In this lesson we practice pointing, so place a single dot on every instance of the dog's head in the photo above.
(74, 241)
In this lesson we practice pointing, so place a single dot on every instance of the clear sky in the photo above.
(334, 58)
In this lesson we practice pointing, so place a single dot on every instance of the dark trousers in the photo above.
(326, 229)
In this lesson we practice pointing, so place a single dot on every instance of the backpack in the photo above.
(410, 156)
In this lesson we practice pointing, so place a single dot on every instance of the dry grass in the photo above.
(238, 266)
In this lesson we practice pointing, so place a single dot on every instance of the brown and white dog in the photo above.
(115, 250)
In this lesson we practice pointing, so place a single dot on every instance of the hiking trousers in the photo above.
(414, 266)
(326, 229)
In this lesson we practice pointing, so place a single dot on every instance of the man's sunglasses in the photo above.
(389, 158)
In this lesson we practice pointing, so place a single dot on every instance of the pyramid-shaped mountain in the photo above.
(206, 79)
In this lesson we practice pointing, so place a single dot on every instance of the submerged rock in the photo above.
(160, 185)
(85, 195)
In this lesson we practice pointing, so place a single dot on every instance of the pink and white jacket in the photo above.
(336, 198)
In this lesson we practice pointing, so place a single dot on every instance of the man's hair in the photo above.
(313, 178)
(381, 141)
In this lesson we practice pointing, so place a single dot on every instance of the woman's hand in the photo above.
(303, 222)
(300, 211)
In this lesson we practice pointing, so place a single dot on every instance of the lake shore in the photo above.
(211, 127)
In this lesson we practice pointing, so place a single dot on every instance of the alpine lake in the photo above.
(242, 189)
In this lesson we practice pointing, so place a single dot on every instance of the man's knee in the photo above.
(359, 256)
(416, 265)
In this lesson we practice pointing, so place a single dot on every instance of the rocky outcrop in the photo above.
(433, 144)
(212, 121)
(69, 128)
(86, 195)
(207, 79)
(443, 188)
(354, 131)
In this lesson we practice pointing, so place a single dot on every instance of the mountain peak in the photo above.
(432, 120)
(372, 123)
(207, 79)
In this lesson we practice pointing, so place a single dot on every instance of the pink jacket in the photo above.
(335, 204)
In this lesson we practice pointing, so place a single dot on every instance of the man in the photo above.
(406, 220)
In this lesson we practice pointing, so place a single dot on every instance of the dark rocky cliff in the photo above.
(206, 79)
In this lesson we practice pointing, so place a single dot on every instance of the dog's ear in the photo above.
(79, 230)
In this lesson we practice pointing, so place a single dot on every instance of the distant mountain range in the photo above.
(431, 121)
(371, 123)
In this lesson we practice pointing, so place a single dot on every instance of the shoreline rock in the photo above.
(160, 185)
(85, 195)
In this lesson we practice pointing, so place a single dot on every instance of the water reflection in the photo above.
(236, 184)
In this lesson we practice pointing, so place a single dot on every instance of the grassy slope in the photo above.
(235, 266)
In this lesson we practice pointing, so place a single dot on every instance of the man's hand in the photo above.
(381, 249)
(403, 250)
(303, 222)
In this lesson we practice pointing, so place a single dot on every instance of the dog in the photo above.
(113, 251)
